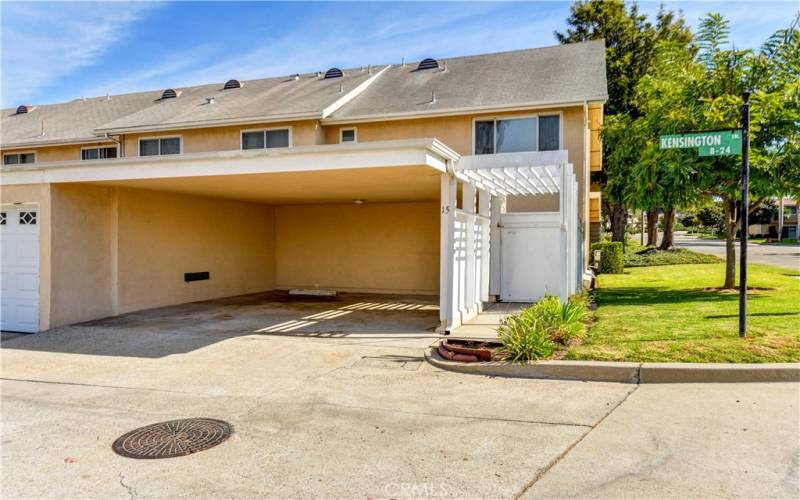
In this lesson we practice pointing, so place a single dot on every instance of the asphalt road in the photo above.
(360, 414)
(787, 256)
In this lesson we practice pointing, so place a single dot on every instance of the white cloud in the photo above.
(43, 43)
(318, 42)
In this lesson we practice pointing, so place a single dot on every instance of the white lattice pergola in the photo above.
(470, 234)
(514, 173)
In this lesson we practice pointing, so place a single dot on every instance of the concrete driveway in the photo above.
(761, 253)
(349, 410)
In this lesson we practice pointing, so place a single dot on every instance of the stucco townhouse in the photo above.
(468, 179)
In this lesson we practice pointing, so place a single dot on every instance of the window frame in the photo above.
(115, 146)
(267, 129)
(159, 137)
(18, 154)
(500, 117)
(355, 135)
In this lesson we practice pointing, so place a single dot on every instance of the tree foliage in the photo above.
(685, 90)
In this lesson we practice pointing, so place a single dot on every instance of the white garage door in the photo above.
(19, 283)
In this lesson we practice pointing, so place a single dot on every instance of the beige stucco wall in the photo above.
(37, 193)
(304, 133)
(164, 235)
(389, 247)
(81, 253)
(457, 131)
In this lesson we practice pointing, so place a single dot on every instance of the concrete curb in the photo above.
(718, 372)
(567, 370)
(631, 373)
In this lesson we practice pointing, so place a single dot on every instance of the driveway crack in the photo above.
(561, 456)
(131, 491)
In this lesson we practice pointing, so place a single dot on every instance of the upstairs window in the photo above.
(98, 153)
(160, 146)
(513, 135)
(348, 135)
(19, 158)
(261, 139)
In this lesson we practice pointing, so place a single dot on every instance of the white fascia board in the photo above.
(56, 142)
(401, 153)
(249, 120)
(329, 110)
(406, 115)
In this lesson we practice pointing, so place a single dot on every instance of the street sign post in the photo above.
(745, 215)
(726, 143)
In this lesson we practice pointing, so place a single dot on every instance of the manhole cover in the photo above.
(174, 438)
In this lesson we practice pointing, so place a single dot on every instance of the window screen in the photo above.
(484, 138)
(171, 146)
(278, 138)
(516, 135)
(349, 135)
(15, 159)
(253, 140)
(549, 132)
(148, 147)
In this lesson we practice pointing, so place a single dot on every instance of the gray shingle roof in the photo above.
(70, 121)
(269, 99)
(548, 75)
(558, 74)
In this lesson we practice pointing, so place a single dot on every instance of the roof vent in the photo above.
(170, 94)
(232, 84)
(334, 73)
(428, 64)
(25, 109)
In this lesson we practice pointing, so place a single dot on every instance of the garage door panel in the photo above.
(19, 241)
(26, 283)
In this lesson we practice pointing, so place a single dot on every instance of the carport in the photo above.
(408, 217)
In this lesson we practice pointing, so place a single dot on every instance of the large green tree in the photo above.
(684, 90)
(630, 41)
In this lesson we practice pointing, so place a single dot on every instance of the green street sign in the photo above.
(715, 143)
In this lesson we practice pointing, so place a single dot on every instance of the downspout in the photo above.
(119, 143)
(586, 183)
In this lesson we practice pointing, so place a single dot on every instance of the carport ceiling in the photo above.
(386, 184)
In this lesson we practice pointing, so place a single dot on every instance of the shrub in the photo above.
(537, 330)
(654, 257)
(524, 338)
(562, 322)
(612, 260)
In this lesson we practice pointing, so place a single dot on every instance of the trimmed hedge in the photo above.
(612, 258)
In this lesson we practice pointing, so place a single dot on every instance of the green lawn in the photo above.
(676, 313)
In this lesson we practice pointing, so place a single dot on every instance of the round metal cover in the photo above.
(174, 438)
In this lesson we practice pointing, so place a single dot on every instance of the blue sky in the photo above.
(53, 52)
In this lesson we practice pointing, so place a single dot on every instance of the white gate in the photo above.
(19, 283)
(530, 260)
(524, 256)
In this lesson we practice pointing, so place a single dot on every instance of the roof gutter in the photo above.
(405, 115)
(57, 142)
(210, 123)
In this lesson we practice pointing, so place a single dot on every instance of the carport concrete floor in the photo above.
(346, 407)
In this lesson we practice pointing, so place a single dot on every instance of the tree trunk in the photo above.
(619, 219)
(652, 227)
(730, 241)
(667, 241)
